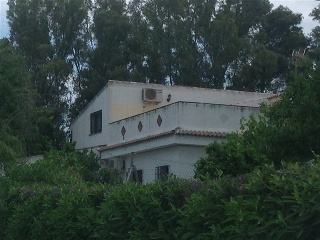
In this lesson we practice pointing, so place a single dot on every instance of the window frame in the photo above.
(161, 172)
(96, 122)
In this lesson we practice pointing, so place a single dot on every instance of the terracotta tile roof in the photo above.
(176, 131)
(274, 96)
(181, 131)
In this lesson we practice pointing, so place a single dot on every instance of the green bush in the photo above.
(268, 203)
(66, 166)
(232, 157)
(143, 212)
(50, 213)
(265, 204)
(109, 175)
(32, 197)
(97, 211)
(287, 130)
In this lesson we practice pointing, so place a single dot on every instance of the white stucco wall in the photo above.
(126, 97)
(163, 141)
(122, 106)
(189, 116)
(80, 127)
(181, 160)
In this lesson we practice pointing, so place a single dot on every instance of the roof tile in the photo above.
(176, 131)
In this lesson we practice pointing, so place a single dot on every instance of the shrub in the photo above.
(233, 157)
(265, 204)
(143, 212)
(55, 193)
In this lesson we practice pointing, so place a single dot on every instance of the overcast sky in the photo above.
(3, 21)
(301, 6)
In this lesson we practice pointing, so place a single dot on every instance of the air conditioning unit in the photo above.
(152, 95)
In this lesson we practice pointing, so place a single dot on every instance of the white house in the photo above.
(151, 129)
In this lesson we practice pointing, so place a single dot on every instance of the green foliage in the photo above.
(80, 44)
(109, 175)
(59, 191)
(143, 212)
(242, 44)
(197, 43)
(293, 121)
(16, 104)
(46, 212)
(52, 37)
(234, 156)
(265, 204)
(11, 147)
(42, 209)
(287, 130)
(64, 167)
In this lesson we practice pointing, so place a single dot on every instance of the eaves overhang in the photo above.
(176, 131)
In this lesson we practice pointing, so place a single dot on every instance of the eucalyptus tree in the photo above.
(70, 33)
(108, 58)
(275, 35)
(283, 35)
(16, 104)
(51, 35)
(161, 19)
(137, 41)
(314, 52)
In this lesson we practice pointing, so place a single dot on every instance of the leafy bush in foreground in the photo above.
(265, 204)
(144, 212)
(28, 192)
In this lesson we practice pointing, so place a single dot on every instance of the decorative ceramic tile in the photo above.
(123, 131)
(159, 120)
(140, 126)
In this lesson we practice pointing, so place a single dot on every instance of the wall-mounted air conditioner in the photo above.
(152, 95)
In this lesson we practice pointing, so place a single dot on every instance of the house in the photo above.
(149, 130)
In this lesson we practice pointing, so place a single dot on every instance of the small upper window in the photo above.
(96, 122)
(162, 172)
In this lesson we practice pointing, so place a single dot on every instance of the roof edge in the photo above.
(176, 131)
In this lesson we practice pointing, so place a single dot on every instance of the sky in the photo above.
(4, 31)
(300, 6)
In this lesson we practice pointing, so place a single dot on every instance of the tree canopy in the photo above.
(71, 48)
(16, 103)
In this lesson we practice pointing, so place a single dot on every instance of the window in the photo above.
(162, 172)
(96, 122)
(137, 176)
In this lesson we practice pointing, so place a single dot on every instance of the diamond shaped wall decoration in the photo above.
(123, 131)
(140, 126)
(159, 120)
